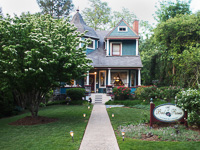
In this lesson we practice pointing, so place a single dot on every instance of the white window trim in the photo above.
(93, 45)
(100, 79)
(121, 71)
(123, 27)
(111, 51)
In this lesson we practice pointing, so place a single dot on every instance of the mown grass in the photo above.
(127, 116)
(131, 103)
(51, 136)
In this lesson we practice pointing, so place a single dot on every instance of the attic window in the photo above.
(122, 29)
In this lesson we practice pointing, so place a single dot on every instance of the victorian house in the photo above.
(115, 56)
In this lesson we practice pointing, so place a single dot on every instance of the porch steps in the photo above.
(100, 98)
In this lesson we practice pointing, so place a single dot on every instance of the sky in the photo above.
(144, 9)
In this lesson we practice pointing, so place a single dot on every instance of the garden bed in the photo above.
(132, 116)
(161, 132)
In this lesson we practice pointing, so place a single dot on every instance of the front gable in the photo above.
(122, 30)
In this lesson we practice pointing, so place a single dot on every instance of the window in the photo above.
(102, 79)
(122, 29)
(119, 77)
(116, 49)
(91, 45)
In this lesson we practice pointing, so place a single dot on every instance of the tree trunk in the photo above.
(173, 70)
(30, 100)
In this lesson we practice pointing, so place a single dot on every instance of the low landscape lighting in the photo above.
(123, 133)
(88, 107)
(84, 115)
(113, 115)
(151, 100)
(72, 135)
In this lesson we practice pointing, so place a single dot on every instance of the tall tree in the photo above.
(128, 16)
(56, 8)
(158, 62)
(97, 15)
(169, 9)
(36, 53)
(180, 36)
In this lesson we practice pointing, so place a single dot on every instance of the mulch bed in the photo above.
(29, 120)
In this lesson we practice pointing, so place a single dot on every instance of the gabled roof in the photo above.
(100, 59)
(114, 34)
(78, 21)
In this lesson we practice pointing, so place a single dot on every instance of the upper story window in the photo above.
(122, 29)
(116, 49)
(91, 45)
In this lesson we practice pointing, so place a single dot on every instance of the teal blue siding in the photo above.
(89, 51)
(128, 47)
(115, 32)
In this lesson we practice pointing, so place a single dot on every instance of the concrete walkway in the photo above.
(99, 134)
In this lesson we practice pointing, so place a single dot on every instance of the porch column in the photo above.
(87, 80)
(137, 47)
(139, 77)
(107, 50)
(109, 76)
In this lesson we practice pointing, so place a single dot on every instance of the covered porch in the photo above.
(102, 80)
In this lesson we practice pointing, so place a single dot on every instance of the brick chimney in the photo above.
(136, 26)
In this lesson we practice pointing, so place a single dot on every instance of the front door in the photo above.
(91, 82)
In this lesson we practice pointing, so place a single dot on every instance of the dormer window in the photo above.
(122, 29)
(91, 45)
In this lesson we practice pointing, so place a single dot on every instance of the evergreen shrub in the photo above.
(76, 93)
(6, 103)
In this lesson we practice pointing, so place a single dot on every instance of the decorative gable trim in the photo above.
(118, 26)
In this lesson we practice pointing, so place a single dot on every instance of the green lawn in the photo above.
(126, 116)
(52, 136)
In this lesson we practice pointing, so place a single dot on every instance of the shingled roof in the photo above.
(78, 21)
(100, 59)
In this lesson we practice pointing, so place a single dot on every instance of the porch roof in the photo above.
(100, 59)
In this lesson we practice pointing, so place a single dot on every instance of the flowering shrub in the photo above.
(121, 93)
(165, 93)
(168, 93)
(190, 100)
